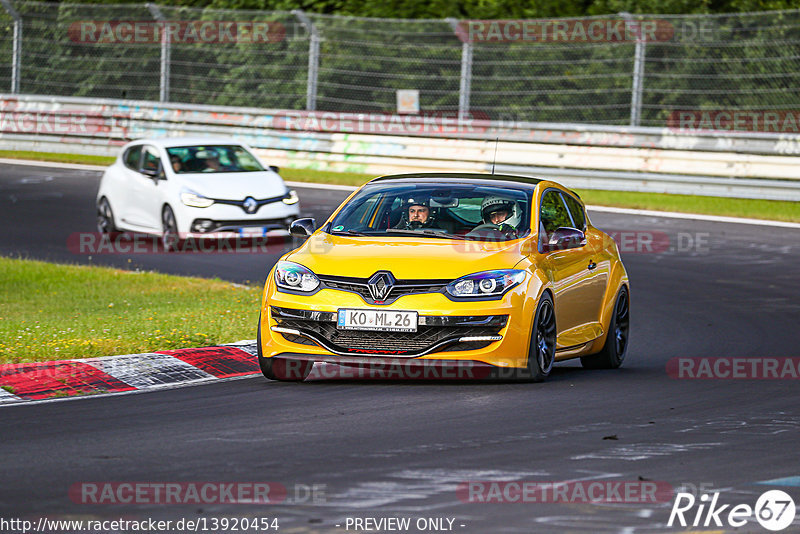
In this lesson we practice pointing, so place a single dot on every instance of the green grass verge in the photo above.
(731, 207)
(325, 177)
(55, 312)
(57, 157)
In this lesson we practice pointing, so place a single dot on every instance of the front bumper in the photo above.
(211, 227)
(222, 218)
(434, 334)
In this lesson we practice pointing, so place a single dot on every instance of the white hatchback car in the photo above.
(182, 187)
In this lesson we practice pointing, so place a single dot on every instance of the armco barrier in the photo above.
(727, 164)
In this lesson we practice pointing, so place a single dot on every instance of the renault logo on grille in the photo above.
(380, 285)
(250, 205)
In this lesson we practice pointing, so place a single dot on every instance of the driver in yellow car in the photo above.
(501, 212)
(417, 215)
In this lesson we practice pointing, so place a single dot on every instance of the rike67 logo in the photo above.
(774, 510)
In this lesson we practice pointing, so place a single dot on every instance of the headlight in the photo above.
(195, 200)
(486, 284)
(292, 198)
(290, 275)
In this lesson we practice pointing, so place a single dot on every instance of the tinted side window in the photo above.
(576, 210)
(554, 213)
(132, 157)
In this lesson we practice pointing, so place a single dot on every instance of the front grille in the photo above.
(400, 288)
(427, 338)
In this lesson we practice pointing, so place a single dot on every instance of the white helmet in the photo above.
(495, 203)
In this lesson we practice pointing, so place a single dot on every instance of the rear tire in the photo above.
(105, 217)
(283, 369)
(613, 352)
(542, 349)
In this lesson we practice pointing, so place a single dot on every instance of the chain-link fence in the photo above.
(623, 69)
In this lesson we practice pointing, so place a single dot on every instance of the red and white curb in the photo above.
(25, 382)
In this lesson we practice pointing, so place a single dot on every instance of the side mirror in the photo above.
(155, 174)
(274, 168)
(302, 227)
(564, 238)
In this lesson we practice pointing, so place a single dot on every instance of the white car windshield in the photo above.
(211, 159)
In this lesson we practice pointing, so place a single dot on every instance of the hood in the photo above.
(405, 257)
(235, 185)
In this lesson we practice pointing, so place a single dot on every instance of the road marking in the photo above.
(787, 481)
(693, 216)
(5, 396)
(125, 374)
(148, 370)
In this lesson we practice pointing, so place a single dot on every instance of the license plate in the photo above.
(252, 232)
(385, 320)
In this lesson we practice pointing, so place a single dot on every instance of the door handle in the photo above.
(592, 265)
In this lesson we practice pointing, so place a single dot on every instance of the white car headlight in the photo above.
(292, 198)
(296, 277)
(486, 283)
(195, 200)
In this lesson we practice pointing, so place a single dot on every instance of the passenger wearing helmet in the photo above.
(500, 213)
(416, 215)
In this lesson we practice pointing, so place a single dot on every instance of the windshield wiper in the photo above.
(348, 232)
(424, 233)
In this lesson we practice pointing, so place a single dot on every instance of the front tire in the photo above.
(613, 352)
(542, 349)
(170, 238)
(282, 369)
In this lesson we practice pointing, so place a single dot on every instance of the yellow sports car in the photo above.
(475, 271)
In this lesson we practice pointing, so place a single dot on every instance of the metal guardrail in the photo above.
(592, 157)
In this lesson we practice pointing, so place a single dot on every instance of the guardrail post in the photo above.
(16, 58)
(638, 68)
(163, 91)
(313, 59)
(465, 85)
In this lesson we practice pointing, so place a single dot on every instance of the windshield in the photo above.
(436, 210)
(208, 159)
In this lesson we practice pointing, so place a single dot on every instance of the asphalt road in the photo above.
(385, 448)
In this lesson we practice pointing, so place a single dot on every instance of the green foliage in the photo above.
(486, 9)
